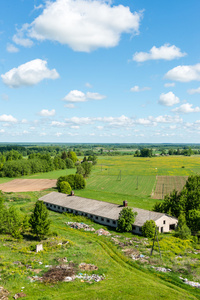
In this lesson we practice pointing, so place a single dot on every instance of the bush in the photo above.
(79, 182)
(69, 163)
(80, 170)
(65, 187)
(126, 219)
(76, 181)
(87, 166)
(182, 230)
(148, 229)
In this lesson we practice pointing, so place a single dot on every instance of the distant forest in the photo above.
(25, 159)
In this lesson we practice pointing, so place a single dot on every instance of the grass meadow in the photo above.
(113, 179)
(124, 279)
(118, 178)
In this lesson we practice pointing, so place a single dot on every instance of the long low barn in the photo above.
(105, 213)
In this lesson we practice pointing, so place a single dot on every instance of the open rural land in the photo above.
(99, 150)
(104, 263)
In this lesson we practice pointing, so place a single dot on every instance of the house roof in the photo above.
(99, 208)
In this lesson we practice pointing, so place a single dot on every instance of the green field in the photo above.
(118, 178)
(113, 179)
(124, 278)
(130, 178)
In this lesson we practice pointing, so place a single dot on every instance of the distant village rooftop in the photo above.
(105, 213)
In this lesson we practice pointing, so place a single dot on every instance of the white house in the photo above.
(105, 213)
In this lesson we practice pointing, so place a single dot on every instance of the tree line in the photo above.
(36, 163)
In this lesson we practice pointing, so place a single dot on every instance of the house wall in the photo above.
(95, 218)
(164, 223)
(137, 229)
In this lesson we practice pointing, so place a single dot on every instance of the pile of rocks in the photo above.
(77, 225)
(103, 232)
(93, 277)
(191, 283)
(87, 267)
(161, 269)
(3, 293)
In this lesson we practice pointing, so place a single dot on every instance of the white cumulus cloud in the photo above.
(194, 91)
(168, 99)
(165, 52)
(186, 108)
(136, 88)
(75, 96)
(8, 118)
(29, 74)
(47, 113)
(78, 96)
(184, 73)
(83, 25)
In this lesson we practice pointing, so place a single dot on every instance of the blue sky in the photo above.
(100, 71)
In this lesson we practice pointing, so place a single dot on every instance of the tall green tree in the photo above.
(182, 230)
(39, 220)
(72, 156)
(126, 219)
(87, 166)
(148, 229)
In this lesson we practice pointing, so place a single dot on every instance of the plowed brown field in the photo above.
(27, 185)
(166, 184)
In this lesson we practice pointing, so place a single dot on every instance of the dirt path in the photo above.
(27, 185)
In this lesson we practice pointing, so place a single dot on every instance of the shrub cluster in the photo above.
(76, 181)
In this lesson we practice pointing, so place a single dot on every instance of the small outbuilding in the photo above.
(105, 213)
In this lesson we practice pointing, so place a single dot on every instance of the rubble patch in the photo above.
(3, 293)
(87, 267)
(77, 225)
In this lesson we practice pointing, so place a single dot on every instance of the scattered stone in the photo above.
(68, 279)
(64, 259)
(115, 240)
(3, 293)
(191, 283)
(77, 225)
(87, 267)
(19, 295)
(39, 248)
(161, 269)
(103, 232)
(93, 277)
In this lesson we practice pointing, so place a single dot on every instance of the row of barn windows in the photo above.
(76, 212)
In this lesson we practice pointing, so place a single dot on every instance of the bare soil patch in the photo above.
(27, 185)
(166, 184)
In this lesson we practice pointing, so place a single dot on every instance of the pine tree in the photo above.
(39, 220)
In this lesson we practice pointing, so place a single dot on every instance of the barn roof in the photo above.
(99, 208)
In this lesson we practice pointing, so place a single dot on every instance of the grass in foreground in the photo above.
(124, 279)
